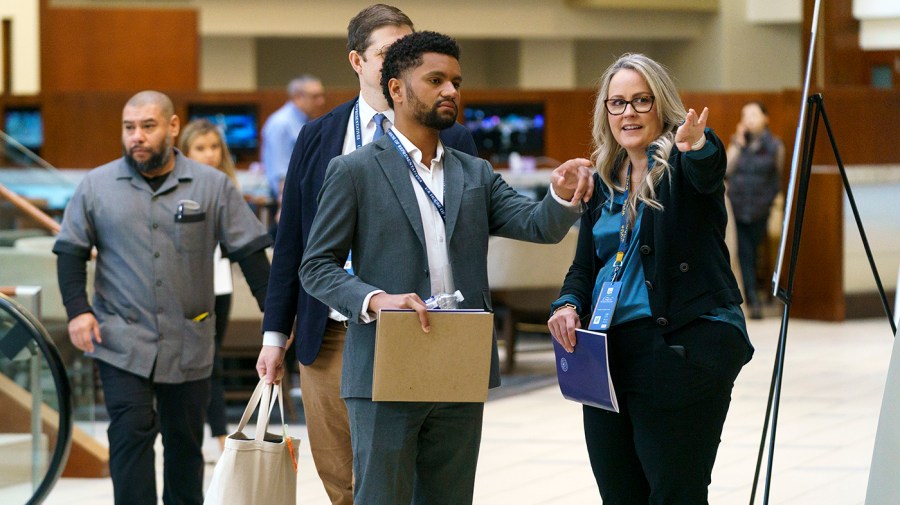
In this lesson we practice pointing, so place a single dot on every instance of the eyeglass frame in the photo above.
(630, 102)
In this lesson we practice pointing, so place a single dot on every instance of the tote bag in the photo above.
(257, 470)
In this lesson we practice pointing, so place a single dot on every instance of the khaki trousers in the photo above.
(326, 416)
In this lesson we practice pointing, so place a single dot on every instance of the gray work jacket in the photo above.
(153, 286)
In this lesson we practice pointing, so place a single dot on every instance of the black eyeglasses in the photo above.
(617, 106)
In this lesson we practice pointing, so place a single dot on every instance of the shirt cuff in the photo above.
(564, 203)
(366, 317)
(275, 338)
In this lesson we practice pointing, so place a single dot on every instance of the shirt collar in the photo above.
(414, 151)
(367, 112)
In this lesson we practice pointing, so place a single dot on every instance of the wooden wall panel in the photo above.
(839, 59)
(866, 126)
(82, 130)
(819, 277)
(118, 49)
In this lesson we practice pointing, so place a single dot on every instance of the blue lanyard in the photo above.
(412, 168)
(623, 229)
(357, 129)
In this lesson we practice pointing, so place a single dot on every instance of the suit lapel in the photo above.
(334, 131)
(453, 184)
(397, 174)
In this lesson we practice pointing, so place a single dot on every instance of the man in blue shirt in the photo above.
(306, 101)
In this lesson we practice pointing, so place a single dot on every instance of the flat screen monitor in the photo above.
(26, 125)
(238, 123)
(503, 128)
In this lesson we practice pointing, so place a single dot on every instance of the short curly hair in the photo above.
(406, 54)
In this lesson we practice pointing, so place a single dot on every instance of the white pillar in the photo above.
(547, 64)
(26, 45)
(227, 63)
(884, 487)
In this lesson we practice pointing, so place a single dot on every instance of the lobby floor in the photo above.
(533, 452)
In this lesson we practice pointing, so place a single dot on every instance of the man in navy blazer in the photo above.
(417, 216)
(319, 338)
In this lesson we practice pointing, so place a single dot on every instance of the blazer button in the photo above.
(684, 267)
(662, 321)
(645, 249)
(649, 285)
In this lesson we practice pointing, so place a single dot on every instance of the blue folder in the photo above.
(584, 374)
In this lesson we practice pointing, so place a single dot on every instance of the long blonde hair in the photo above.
(200, 127)
(609, 157)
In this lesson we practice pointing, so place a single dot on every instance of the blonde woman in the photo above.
(677, 338)
(203, 142)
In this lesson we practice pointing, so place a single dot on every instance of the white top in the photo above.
(222, 284)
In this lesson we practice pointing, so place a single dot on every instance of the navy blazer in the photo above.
(286, 300)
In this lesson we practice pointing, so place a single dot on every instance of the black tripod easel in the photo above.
(815, 111)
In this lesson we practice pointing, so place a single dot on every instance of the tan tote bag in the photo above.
(257, 470)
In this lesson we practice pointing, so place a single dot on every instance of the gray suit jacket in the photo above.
(368, 204)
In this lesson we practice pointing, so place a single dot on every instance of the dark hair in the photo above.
(762, 106)
(370, 19)
(406, 54)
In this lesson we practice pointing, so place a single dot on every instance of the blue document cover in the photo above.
(584, 374)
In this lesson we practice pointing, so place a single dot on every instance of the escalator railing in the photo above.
(24, 158)
(36, 414)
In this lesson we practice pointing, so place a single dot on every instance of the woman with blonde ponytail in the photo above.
(676, 337)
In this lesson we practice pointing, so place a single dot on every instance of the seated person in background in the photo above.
(202, 141)
(755, 159)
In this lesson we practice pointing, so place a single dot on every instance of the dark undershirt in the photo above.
(156, 182)
(71, 271)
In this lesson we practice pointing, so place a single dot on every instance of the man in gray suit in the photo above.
(417, 216)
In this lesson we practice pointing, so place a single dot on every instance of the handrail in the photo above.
(30, 209)
(63, 396)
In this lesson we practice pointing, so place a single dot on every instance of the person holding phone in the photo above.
(677, 340)
(755, 160)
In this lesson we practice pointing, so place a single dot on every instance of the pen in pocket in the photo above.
(200, 317)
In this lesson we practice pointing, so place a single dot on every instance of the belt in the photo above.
(337, 325)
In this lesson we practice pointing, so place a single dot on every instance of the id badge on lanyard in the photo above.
(610, 290)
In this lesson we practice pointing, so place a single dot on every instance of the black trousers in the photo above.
(215, 413)
(661, 446)
(750, 236)
(139, 409)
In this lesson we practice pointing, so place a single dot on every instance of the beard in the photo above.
(158, 158)
(429, 117)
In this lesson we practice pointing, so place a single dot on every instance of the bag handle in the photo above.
(263, 398)
(268, 400)
(277, 396)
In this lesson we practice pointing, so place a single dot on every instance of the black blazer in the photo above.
(686, 263)
(286, 300)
